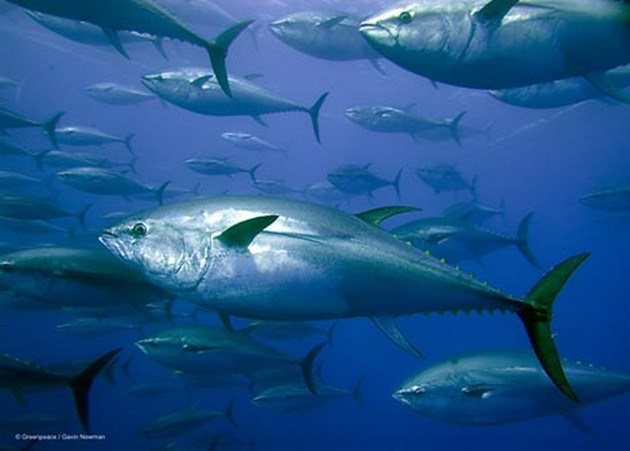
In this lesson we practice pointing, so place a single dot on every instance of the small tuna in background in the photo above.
(609, 198)
(117, 94)
(387, 119)
(10, 120)
(494, 388)
(197, 90)
(355, 179)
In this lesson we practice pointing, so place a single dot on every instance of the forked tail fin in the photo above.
(314, 113)
(218, 50)
(536, 317)
(49, 126)
(82, 383)
(523, 241)
(453, 125)
(306, 365)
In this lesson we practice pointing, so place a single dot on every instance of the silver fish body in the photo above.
(66, 276)
(280, 259)
(335, 264)
(116, 94)
(197, 90)
(329, 35)
(560, 93)
(610, 198)
(494, 388)
(501, 44)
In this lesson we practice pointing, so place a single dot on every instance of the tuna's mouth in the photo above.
(379, 34)
(276, 28)
(111, 241)
(401, 397)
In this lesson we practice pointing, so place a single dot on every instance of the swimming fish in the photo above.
(197, 90)
(17, 375)
(492, 388)
(143, 16)
(10, 119)
(497, 44)
(280, 259)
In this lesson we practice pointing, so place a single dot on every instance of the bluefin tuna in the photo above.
(500, 44)
(492, 388)
(387, 119)
(7, 147)
(117, 94)
(560, 93)
(328, 35)
(95, 327)
(611, 198)
(293, 397)
(88, 136)
(275, 188)
(473, 211)
(61, 159)
(218, 166)
(208, 350)
(197, 90)
(355, 179)
(247, 141)
(87, 33)
(10, 179)
(10, 119)
(456, 240)
(142, 16)
(175, 424)
(281, 259)
(445, 177)
(27, 208)
(106, 182)
(75, 276)
(17, 375)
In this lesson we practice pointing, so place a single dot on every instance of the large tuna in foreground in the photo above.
(281, 259)
(491, 388)
(502, 43)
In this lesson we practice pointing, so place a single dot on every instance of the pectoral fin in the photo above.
(240, 235)
(114, 40)
(200, 81)
(389, 326)
(479, 391)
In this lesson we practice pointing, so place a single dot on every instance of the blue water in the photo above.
(536, 161)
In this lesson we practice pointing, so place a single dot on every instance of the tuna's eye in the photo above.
(405, 17)
(139, 230)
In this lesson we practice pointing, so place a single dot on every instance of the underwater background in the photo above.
(538, 161)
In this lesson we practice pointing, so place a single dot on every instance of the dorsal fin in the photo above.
(250, 77)
(378, 215)
(240, 235)
(329, 23)
(495, 10)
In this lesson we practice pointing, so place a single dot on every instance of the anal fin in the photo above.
(114, 40)
(389, 326)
